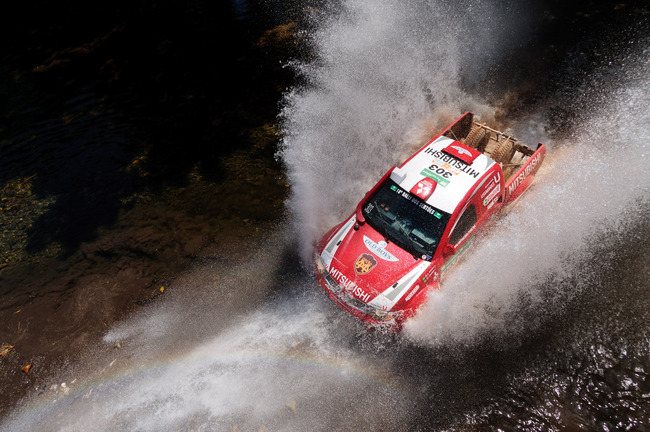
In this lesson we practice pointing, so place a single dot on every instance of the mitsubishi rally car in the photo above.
(382, 262)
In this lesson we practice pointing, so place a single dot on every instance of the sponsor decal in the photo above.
(532, 165)
(441, 171)
(433, 274)
(379, 249)
(461, 150)
(424, 188)
(448, 161)
(412, 293)
(341, 279)
(417, 201)
(492, 195)
(347, 284)
(361, 294)
(364, 264)
(433, 176)
(488, 188)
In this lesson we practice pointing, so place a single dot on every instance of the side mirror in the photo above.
(449, 250)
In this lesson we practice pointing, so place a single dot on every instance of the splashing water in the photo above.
(177, 367)
(591, 184)
(383, 78)
(385, 75)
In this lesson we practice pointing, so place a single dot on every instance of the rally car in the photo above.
(381, 263)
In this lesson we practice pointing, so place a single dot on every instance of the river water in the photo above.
(542, 326)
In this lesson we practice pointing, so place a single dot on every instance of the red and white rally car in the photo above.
(382, 262)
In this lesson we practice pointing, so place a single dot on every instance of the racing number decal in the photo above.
(440, 171)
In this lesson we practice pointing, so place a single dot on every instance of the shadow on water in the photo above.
(103, 102)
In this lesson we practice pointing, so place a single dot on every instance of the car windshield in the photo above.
(406, 220)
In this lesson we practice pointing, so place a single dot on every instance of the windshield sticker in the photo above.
(364, 264)
(402, 193)
(378, 249)
(427, 208)
(418, 202)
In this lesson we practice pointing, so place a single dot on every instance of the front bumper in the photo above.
(370, 316)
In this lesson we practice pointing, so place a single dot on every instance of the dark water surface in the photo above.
(151, 235)
(96, 98)
(132, 137)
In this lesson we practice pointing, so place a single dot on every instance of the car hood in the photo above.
(372, 270)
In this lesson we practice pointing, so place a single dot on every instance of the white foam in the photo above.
(383, 70)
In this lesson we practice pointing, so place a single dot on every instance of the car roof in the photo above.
(450, 188)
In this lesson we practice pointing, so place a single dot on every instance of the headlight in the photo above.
(320, 266)
(382, 315)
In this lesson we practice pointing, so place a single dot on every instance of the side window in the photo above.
(465, 223)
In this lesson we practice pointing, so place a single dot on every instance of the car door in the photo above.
(462, 235)
(465, 224)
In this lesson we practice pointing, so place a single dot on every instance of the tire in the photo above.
(504, 152)
(475, 137)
